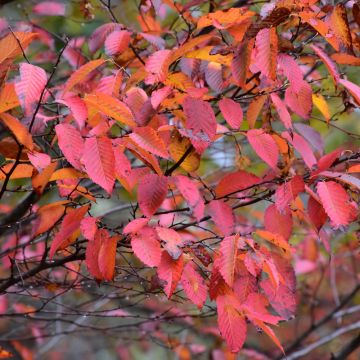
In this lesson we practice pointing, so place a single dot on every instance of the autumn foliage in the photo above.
(195, 161)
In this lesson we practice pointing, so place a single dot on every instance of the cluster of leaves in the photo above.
(138, 113)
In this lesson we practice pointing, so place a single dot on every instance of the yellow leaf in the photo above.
(111, 107)
(320, 102)
(204, 54)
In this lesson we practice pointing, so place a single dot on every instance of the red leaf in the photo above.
(235, 182)
(232, 324)
(30, 86)
(336, 203)
(201, 121)
(69, 225)
(266, 45)
(282, 111)
(316, 213)
(71, 144)
(151, 193)
(222, 215)
(245, 285)
(148, 139)
(241, 62)
(157, 66)
(99, 162)
(146, 246)
(288, 192)
(191, 194)
(117, 42)
(282, 299)
(194, 285)
(92, 253)
(264, 145)
(227, 261)
(302, 147)
(170, 271)
(232, 112)
(106, 257)
(277, 222)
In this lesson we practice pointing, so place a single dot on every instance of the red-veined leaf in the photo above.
(287, 192)
(227, 261)
(107, 256)
(148, 139)
(278, 223)
(151, 193)
(117, 42)
(232, 324)
(111, 107)
(266, 45)
(235, 182)
(71, 144)
(336, 203)
(282, 111)
(81, 73)
(222, 215)
(146, 246)
(194, 285)
(30, 86)
(170, 271)
(191, 194)
(98, 159)
(264, 145)
(201, 121)
(157, 66)
(69, 225)
(232, 112)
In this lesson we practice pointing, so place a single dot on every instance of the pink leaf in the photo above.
(30, 86)
(157, 66)
(281, 110)
(88, 227)
(135, 225)
(353, 89)
(302, 147)
(191, 194)
(201, 121)
(330, 65)
(287, 192)
(232, 112)
(227, 262)
(291, 70)
(194, 285)
(265, 146)
(172, 240)
(98, 37)
(49, 8)
(39, 160)
(336, 203)
(71, 144)
(99, 162)
(151, 193)
(299, 101)
(78, 109)
(222, 215)
(146, 246)
(117, 42)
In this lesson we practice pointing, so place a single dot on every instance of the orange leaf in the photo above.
(9, 45)
(8, 98)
